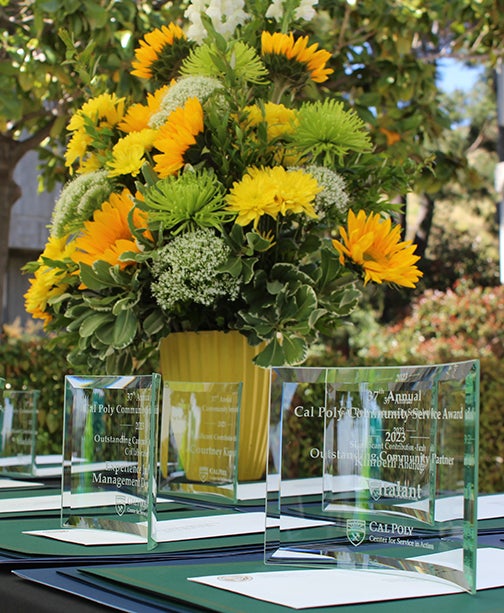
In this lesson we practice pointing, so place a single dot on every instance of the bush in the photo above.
(463, 323)
(31, 362)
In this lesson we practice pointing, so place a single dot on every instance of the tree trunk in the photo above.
(396, 302)
(424, 224)
(10, 192)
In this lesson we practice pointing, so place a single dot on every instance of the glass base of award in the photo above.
(376, 469)
(110, 454)
(18, 432)
(199, 441)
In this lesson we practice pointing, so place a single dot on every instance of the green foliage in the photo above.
(30, 362)
(491, 458)
(457, 254)
(463, 323)
(53, 53)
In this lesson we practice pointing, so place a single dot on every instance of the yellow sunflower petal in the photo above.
(108, 235)
(297, 49)
(374, 244)
(176, 136)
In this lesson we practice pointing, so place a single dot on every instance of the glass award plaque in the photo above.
(376, 469)
(18, 432)
(110, 453)
(199, 440)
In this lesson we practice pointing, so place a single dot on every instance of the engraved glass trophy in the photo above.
(376, 468)
(110, 453)
(199, 440)
(18, 432)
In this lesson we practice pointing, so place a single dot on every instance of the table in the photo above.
(56, 577)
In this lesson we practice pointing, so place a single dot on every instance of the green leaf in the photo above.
(295, 349)
(97, 277)
(282, 351)
(99, 303)
(103, 336)
(233, 266)
(271, 355)
(125, 328)
(275, 287)
(91, 323)
(129, 301)
(153, 323)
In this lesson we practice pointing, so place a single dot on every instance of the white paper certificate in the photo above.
(302, 589)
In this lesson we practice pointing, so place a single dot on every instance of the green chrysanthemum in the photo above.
(189, 201)
(327, 132)
(247, 65)
(78, 201)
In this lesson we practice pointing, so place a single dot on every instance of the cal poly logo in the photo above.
(120, 504)
(375, 489)
(203, 473)
(356, 531)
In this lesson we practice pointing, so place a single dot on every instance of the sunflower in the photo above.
(48, 280)
(138, 115)
(272, 191)
(161, 53)
(303, 62)
(176, 136)
(108, 236)
(372, 243)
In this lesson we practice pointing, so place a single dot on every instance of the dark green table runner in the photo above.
(170, 581)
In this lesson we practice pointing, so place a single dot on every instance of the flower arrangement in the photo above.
(239, 194)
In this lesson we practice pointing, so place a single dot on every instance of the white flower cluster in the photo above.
(188, 87)
(333, 194)
(186, 271)
(226, 16)
(304, 11)
(78, 200)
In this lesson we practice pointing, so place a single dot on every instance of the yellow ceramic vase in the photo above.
(226, 357)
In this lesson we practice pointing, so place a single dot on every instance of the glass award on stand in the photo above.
(376, 469)
(110, 453)
(199, 440)
(18, 432)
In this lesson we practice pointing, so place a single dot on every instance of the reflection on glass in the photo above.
(18, 432)
(199, 439)
(376, 468)
(110, 453)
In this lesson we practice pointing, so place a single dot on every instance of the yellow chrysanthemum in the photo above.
(152, 46)
(77, 147)
(108, 236)
(272, 191)
(297, 49)
(279, 119)
(128, 154)
(46, 282)
(105, 110)
(90, 164)
(176, 136)
(137, 116)
(371, 242)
